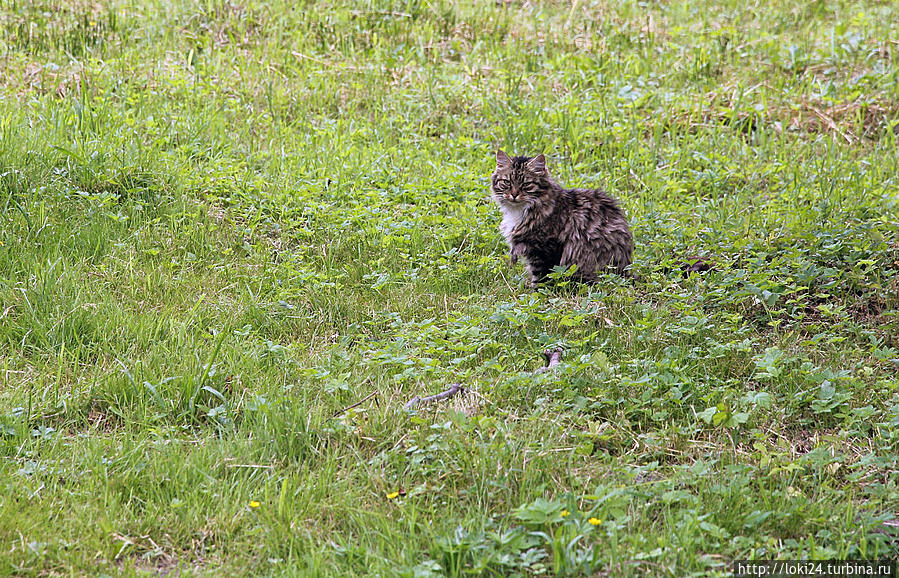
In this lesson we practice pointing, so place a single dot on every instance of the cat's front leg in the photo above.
(515, 251)
(537, 275)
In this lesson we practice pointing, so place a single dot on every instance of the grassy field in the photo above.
(222, 223)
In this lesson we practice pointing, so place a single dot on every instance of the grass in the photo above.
(223, 222)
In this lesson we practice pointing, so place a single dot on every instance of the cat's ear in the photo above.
(538, 165)
(502, 160)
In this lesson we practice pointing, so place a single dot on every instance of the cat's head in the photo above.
(519, 180)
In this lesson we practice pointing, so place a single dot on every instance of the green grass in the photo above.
(221, 223)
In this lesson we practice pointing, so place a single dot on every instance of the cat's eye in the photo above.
(501, 185)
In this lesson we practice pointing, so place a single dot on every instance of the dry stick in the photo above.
(380, 13)
(831, 124)
(357, 404)
(506, 281)
(639, 180)
(553, 358)
(453, 390)
(322, 62)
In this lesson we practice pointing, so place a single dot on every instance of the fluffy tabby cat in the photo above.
(549, 225)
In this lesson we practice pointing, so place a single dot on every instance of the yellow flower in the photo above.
(392, 495)
(254, 504)
(595, 521)
(565, 513)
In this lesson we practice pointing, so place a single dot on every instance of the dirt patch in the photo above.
(849, 121)
(102, 419)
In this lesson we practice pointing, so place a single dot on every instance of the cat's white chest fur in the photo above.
(512, 217)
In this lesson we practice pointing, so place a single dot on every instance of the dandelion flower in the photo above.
(565, 513)
(254, 504)
(392, 495)
(595, 521)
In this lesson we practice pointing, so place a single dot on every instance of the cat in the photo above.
(549, 225)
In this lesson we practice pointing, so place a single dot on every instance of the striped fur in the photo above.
(548, 225)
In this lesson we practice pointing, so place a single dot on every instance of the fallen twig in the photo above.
(357, 404)
(553, 358)
(380, 13)
(453, 390)
(831, 124)
(323, 62)
(312, 58)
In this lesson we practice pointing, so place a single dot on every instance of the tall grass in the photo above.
(224, 223)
